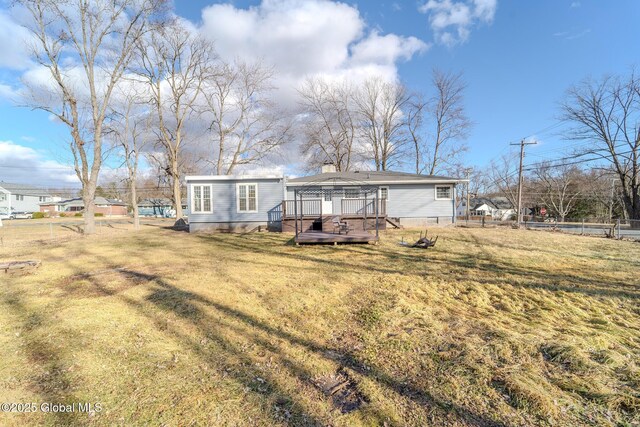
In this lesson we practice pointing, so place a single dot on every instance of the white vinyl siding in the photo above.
(201, 199)
(247, 196)
(444, 192)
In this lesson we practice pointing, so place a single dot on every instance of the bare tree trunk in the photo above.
(177, 188)
(134, 204)
(89, 200)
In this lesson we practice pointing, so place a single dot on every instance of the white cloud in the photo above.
(301, 38)
(13, 39)
(452, 21)
(25, 165)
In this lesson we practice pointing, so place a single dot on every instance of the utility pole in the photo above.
(468, 182)
(522, 144)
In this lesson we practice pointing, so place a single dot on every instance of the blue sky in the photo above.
(518, 63)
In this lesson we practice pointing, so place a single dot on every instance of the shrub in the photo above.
(62, 214)
(38, 215)
(98, 214)
(78, 214)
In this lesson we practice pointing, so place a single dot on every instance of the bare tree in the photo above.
(556, 187)
(245, 126)
(439, 126)
(175, 64)
(86, 47)
(131, 132)
(380, 106)
(329, 124)
(503, 175)
(606, 114)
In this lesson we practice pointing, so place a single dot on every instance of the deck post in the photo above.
(364, 222)
(295, 210)
(377, 214)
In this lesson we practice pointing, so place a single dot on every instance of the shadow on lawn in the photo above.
(217, 321)
(51, 382)
(420, 263)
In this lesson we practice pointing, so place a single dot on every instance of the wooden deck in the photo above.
(335, 238)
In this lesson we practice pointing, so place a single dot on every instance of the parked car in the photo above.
(22, 215)
(6, 215)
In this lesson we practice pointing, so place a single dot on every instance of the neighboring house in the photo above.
(20, 197)
(243, 202)
(497, 208)
(107, 207)
(155, 207)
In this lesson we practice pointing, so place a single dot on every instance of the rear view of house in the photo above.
(234, 203)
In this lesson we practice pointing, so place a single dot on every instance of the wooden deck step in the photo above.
(395, 224)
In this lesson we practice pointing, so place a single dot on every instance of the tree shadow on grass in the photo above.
(218, 321)
(51, 380)
(458, 265)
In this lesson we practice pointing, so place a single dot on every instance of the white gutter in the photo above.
(356, 183)
(230, 177)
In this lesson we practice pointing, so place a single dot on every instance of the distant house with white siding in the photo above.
(246, 202)
(21, 198)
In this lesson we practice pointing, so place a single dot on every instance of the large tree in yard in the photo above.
(605, 114)
(85, 47)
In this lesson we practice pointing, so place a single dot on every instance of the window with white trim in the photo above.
(384, 193)
(19, 197)
(201, 199)
(43, 198)
(3, 197)
(444, 192)
(247, 195)
(352, 193)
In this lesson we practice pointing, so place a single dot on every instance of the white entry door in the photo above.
(327, 202)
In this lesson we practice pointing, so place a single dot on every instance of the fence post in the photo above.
(482, 221)
(618, 226)
(582, 232)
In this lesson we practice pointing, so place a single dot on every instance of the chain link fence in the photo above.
(25, 232)
(617, 229)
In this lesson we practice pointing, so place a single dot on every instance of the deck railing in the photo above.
(313, 208)
(306, 207)
(363, 206)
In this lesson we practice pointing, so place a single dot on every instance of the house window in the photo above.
(247, 197)
(351, 193)
(43, 198)
(19, 197)
(384, 193)
(201, 197)
(3, 197)
(444, 192)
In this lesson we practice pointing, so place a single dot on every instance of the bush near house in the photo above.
(38, 215)
(491, 327)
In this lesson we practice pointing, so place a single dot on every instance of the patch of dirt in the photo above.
(342, 390)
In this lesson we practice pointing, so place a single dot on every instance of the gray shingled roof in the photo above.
(26, 190)
(154, 202)
(494, 202)
(370, 177)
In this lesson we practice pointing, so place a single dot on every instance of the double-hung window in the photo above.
(444, 192)
(19, 197)
(247, 195)
(201, 199)
(384, 193)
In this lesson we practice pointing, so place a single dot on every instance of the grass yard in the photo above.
(492, 327)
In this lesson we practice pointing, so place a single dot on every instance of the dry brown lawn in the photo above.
(492, 327)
